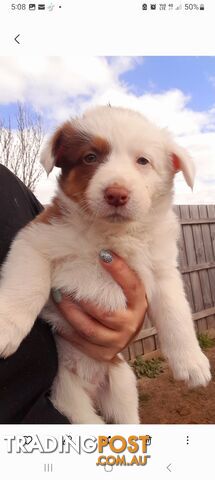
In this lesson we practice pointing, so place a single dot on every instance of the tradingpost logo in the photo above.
(110, 451)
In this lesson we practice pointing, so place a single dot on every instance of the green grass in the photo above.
(147, 368)
(205, 341)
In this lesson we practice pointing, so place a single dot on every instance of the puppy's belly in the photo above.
(94, 375)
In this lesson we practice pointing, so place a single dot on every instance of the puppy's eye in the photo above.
(142, 161)
(90, 158)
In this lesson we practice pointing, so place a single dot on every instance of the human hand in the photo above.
(100, 334)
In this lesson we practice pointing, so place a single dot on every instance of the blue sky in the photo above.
(190, 74)
(175, 92)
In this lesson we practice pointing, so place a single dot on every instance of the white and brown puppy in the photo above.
(114, 192)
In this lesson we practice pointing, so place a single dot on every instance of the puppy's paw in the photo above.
(86, 420)
(12, 328)
(193, 368)
(10, 338)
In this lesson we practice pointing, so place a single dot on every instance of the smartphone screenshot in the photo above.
(107, 239)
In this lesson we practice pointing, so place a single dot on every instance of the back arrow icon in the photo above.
(169, 467)
(17, 41)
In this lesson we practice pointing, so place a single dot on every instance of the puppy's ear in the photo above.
(58, 152)
(181, 161)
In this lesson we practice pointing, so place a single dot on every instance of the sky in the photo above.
(174, 92)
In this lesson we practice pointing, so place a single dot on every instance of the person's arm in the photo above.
(25, 377)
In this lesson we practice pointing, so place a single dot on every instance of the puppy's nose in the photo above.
(116, 196)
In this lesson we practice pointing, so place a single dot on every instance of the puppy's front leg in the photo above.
(173, 319)
(24, 289)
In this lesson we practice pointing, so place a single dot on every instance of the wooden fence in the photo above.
(197, 265)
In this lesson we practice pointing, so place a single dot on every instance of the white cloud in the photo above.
(169, 109)
(59, 87)
(56, 85)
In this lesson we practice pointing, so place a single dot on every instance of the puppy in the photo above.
(114, 192)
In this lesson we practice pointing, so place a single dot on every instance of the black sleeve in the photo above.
(25, 377)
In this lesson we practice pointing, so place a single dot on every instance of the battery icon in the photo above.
(202, 7)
